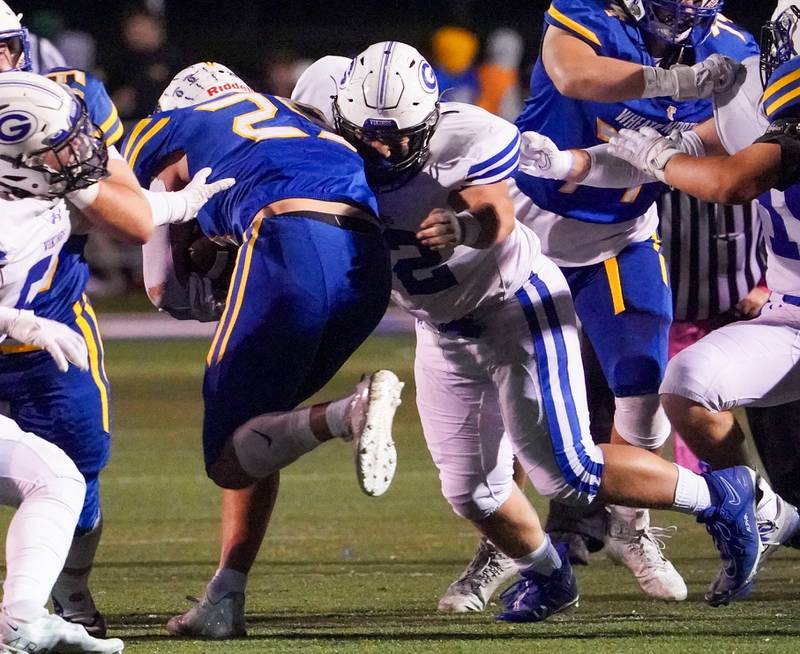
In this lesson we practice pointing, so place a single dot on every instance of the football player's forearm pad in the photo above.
(166, 207)
(608, 171)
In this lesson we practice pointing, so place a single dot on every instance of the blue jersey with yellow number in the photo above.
(572, 123)
(64, 289)
(262, 141)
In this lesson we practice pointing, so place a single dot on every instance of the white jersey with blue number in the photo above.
(740, 121)
(470, 147)
(31, 237)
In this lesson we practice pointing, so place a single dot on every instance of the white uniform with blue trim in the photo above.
(32, 235)
(497, 346)
(756, 362)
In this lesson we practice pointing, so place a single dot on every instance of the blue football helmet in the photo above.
(15, 36)
(686, 23)
(778, 39)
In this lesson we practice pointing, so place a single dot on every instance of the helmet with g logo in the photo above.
(389, 94)
(48, 144)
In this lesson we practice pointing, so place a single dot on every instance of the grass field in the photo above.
(341, 572)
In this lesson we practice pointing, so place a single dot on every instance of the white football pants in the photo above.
(518, 389)
(749, 363)
(39, 479)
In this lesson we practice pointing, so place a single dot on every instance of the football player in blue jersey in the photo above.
(311, 282)
(605, 65)
(72, 409)
(750, 363)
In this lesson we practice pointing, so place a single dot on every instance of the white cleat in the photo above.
(52, 634)
(370, 416)
(778, 521)
(639, 547)
(488, 570)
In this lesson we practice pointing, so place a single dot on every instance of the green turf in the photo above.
(341, 572)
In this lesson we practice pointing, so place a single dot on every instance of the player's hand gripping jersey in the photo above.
(573, 123)
(72, 272)
(469, 147)
(272, 150)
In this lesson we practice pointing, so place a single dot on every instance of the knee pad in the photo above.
(641, 421)
(479, 502)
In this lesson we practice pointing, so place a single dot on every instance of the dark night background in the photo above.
(238, 32)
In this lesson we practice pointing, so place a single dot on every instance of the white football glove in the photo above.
(717, 74)
(181, 206)
(540, 157)
(645, 149)
(444, 228)
(63, 344)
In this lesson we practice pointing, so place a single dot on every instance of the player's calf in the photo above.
(270, 442)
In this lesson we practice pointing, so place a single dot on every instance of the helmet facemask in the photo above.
(70, 161)
(405, 151)
(675, 22)
(777, 42)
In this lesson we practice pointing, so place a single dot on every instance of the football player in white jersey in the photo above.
(498, 366)
(750, 363)
(43, 132)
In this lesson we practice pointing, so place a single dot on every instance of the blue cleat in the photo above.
(731, 521)
(536, 597)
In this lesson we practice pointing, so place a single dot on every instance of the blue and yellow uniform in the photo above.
(623, 302)
(72, 409)
(307, 288)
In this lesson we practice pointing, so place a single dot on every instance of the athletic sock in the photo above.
(272, 441)
(691, 493)
(224, 581)
(72, 587)
(544, 560)
(336, 415)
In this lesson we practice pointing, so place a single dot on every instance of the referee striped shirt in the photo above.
(714, 252)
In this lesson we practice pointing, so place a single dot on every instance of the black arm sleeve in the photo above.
(785, 133)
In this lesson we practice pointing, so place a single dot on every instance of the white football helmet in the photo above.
(16, 36)
(388, 96)
(780, 38)
(198, 83)
(48, 144)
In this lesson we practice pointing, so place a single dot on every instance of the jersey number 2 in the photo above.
(440, 277)
(246, 124)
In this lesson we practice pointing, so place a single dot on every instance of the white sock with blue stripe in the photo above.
(544, 559)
